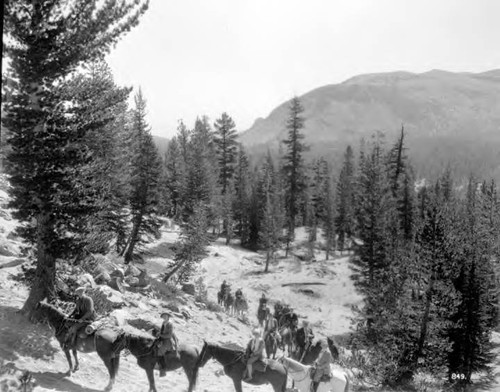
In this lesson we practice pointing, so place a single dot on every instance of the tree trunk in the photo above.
(133, 239)
(425, 319)
(268, 257)
(43, 285)
(174, 270)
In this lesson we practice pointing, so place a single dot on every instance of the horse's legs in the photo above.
(188, 369)
(68, 358)
(151, 378)
(109, 363)
(237, 385)
(77, 364)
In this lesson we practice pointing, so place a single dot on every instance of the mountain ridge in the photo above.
(457, 110)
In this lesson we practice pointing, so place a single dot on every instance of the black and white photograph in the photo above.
(250, 196)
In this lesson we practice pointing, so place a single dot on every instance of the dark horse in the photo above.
(234, 367)
(287, 340)
(142, 347)
(104, 341)
(261, 313)
(271, 342)
(313, 352)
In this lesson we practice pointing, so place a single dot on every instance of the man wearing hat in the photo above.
(322, 365)
(255, 352)
(167, 342)
(83, 315)
(308, 337)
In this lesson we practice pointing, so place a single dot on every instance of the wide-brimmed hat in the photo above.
(80, 290)
(165, 314)
(256, 331)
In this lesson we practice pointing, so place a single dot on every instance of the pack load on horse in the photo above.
(81, 317)
(303, 338)
(167, 343)
(271, 336)
(144, 348)
(233, 361)
(240, 303)
(105, 341)
(254, 352)
(262, 309)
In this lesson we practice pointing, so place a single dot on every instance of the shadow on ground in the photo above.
(19, 336)
(58, 381)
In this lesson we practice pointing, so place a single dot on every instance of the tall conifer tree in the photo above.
(45, 41)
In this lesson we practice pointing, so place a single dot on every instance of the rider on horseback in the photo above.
(322, 365)
(224, 287)
(263, 300)
(83, 315)
(254, 352)
(308, 337)
(167, 342)
(239, 294)
(271, 326)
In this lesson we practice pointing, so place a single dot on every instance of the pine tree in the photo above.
(99, 107)
(202, 174)
(145, 181)
(344, 220)
(243, 193)
(192, 245)
(477, 313)
(272, 215)
(293, 166)
(45, 41)
(227, 148)
(374, 217)
(175, 169)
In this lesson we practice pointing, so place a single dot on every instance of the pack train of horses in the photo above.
(287, 336)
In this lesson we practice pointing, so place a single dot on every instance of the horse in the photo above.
(287, 340)
(261, 313)
(229, 303)
(105, 341)
(301, 375)
(235, 366)
(313, 351)
(143, 348)
(240, 306)
(271, 342)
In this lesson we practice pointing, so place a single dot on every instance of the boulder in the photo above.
(189, 288)
(7, 248)
(106, 299)
(132, 281)
(116, 284)
(86, 280)
(172, 307)
(132, 271)
(117, 273)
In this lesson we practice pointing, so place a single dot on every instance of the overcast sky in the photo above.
(245, 57)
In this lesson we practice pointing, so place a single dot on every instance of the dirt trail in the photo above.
(33, 347)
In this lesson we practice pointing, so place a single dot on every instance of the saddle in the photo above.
(260, 365)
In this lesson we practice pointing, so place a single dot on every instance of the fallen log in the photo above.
(304, 284)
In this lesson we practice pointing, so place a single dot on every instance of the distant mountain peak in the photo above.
(454, 107)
